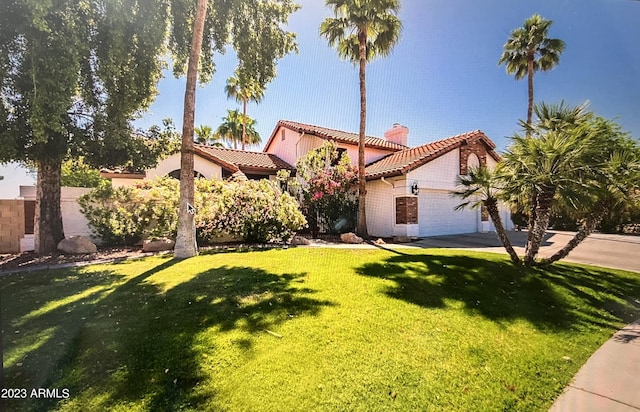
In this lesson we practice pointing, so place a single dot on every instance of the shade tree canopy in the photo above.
(72, 77)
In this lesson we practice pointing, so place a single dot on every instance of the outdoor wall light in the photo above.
(414, 188)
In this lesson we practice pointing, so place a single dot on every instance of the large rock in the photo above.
(300, 241)
(351, 238)
(77, 245)
(157, 245)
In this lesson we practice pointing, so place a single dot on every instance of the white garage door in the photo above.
(436, 215)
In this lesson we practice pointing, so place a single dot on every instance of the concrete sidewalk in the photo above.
(610, 380)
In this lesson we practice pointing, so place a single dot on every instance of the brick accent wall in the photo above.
(11, 225)
(478, 148)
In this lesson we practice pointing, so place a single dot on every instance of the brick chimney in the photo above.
(397, 134)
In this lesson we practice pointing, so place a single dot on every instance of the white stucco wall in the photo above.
(370, 154)
(287, 149)
(120, 182)
(73, 221)
(381, 208)
(171, 163)
(439, 174)
(296, 145)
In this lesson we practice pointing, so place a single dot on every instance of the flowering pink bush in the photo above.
(327, 189)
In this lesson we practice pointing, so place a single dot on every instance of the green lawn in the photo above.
(309, 329)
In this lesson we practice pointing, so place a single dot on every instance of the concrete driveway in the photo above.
(613, 251)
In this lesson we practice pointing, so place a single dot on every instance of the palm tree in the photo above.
(480, 187)
(612, 181)
(529, 49)
(546, 163)
(361, 30)
(186, 237)
(243, 90)
(206, 136)
(234, 125)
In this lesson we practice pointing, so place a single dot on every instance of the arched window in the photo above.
(176, 174)
(473, 161)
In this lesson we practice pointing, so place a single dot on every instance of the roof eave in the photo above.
(224, 164)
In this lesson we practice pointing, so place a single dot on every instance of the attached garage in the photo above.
(413, 187)
(436, 215)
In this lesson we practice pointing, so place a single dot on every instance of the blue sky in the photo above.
(442, 78)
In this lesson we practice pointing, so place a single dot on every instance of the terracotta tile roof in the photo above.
(335, 135)
(402, 162)
(235, 160)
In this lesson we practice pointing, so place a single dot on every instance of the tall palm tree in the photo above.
(480, 187)
(361, 30)
(186, 237)
(234, 125)
(529, 49)
(244, 90)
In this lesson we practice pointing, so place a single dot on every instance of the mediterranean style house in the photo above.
(408, 189)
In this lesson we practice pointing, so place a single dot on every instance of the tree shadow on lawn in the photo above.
(148, 343)
(562, 297)
(41, 313)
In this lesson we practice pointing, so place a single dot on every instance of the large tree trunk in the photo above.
(531, 223)
(494, 214)
(544, 201)
(48, 217)
(362, 183)
(186, 239)
(530, 82)
(587, 227)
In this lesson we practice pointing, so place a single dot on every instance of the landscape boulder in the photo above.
(77, 245)
(157, 245)
(300, 241)
(351, 238)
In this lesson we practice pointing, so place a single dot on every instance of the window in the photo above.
(282, 134)
(473, 162)
(176, 174)
(406, 210)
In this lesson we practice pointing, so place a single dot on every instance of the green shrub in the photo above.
(126, 215)
(256, 211)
